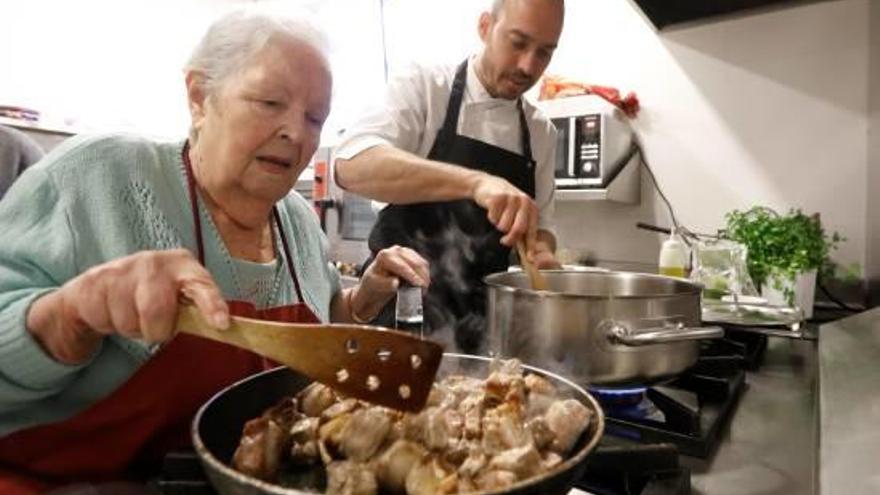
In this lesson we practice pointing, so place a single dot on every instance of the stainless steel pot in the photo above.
(610, 328)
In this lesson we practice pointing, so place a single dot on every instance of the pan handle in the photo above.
(620, 334)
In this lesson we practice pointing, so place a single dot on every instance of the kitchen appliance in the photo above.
(611, 328)
(692, 410)
(594, 141)
(345, 217)
(217, 428)
(637, 456)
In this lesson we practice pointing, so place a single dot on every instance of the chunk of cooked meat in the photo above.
(567, 419)
(316, 398)
(304, 430)
(503, 429)
(541, 433)
(541, 394)
(539, 385)
(505, 388)
(330, 437)
(457, 451)
(304, 441)
(551, 460)
(260, 449)
(350, 478)
(430, 477)
(524, 461)
(394, 464)
(474, 463)
(472, 410)
(436, 434)
(364, 433)
(495, 480)
(340, 408)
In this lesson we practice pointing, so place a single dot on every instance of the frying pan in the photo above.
(218, 424)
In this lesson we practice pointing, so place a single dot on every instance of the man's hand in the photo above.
(510, 210)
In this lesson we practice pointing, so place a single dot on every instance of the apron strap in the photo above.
(453, 110)
(193, 201)
(525, 135)
(453, 107)
(197, 222)
(288, 259)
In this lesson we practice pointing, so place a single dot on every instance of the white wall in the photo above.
(873, 183)
(109, 65)
(765, 109)
(102, 64)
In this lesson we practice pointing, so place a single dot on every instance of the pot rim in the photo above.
(489, 280)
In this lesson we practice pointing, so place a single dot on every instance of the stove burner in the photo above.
(618, 397)
(691, 410)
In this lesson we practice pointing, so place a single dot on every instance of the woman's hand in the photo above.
(135, 296)
(382, 278)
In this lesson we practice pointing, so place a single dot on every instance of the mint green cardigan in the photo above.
(91, 200)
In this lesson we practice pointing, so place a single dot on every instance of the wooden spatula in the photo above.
(385, 367)
(535, 276)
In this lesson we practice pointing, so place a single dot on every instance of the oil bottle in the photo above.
(673, 257)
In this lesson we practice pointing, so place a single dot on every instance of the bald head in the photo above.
(519, 38)
(498, 6)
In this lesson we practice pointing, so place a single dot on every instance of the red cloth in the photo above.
(556, 87)
(146, 417)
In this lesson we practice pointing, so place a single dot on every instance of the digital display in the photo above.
(562, 132)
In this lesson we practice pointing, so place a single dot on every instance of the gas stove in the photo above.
(691, 410)
(646, 431)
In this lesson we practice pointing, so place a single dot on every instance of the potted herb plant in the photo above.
(785, 252)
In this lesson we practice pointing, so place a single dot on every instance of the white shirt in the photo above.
(415, 107)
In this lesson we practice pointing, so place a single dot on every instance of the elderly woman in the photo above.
(103, 237)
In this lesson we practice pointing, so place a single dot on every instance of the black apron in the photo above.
(456, 237)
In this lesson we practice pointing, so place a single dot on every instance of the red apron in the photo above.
(150, 414)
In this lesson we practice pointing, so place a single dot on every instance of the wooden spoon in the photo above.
(381, 366)
(535, 276)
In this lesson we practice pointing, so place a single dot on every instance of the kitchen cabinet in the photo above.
(663, 13)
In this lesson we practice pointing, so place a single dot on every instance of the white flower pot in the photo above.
(804, 286)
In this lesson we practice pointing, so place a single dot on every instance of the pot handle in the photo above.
(620, 334)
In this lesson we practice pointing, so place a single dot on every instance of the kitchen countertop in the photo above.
(849, 370)
(771, 444)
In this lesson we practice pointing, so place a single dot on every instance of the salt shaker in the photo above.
(408, 312)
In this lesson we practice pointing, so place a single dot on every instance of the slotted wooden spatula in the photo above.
(385, 367)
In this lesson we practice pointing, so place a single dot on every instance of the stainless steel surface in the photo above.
(663, 335)
(574, 327)
(806, 332)
(771, 445)
(752, 315)
(849, 369)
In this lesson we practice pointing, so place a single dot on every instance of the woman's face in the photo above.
(260, 127)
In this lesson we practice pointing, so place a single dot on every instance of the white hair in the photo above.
(232, 39)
